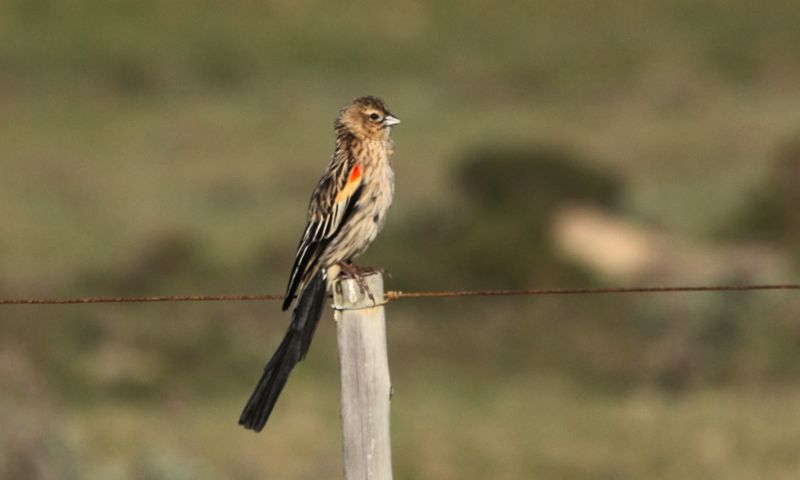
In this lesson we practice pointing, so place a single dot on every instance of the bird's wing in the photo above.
(331, 203)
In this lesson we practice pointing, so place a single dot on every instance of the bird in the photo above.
(347, 210)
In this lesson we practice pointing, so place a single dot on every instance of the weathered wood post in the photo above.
(366, 388)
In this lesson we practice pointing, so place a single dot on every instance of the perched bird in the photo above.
(347, 210)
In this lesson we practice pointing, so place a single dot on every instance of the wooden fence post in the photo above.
(366, 388)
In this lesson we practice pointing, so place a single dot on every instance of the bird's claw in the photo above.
(358, 275)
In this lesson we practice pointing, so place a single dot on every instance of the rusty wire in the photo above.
(396, 294)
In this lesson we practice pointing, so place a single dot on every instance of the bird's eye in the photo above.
(374, 117)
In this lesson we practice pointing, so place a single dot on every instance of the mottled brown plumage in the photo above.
(362, 143)
(347, 210)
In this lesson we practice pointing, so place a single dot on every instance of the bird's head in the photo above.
(366, 118)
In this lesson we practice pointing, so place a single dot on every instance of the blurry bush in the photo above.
(500, 234)
(772, 212)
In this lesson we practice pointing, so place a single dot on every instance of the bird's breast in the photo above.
(374, 200)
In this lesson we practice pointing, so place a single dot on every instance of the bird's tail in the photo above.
(292, 349)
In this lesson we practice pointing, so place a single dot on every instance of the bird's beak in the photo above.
(390, 120)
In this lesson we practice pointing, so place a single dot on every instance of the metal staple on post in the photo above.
(366, 387)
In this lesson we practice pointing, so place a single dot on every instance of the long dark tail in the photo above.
(292, 349)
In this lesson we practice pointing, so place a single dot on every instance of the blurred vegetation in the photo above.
(156, 147)
(771, 212)
(511, 190)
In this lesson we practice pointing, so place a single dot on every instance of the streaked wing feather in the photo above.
(331, 203)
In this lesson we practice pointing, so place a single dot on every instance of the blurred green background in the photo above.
(158, 147)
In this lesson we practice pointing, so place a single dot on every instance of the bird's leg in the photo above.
(358, 275)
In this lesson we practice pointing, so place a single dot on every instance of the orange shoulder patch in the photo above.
(355, 175)
(352, 184)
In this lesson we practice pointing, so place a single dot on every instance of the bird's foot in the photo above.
(357, 274)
